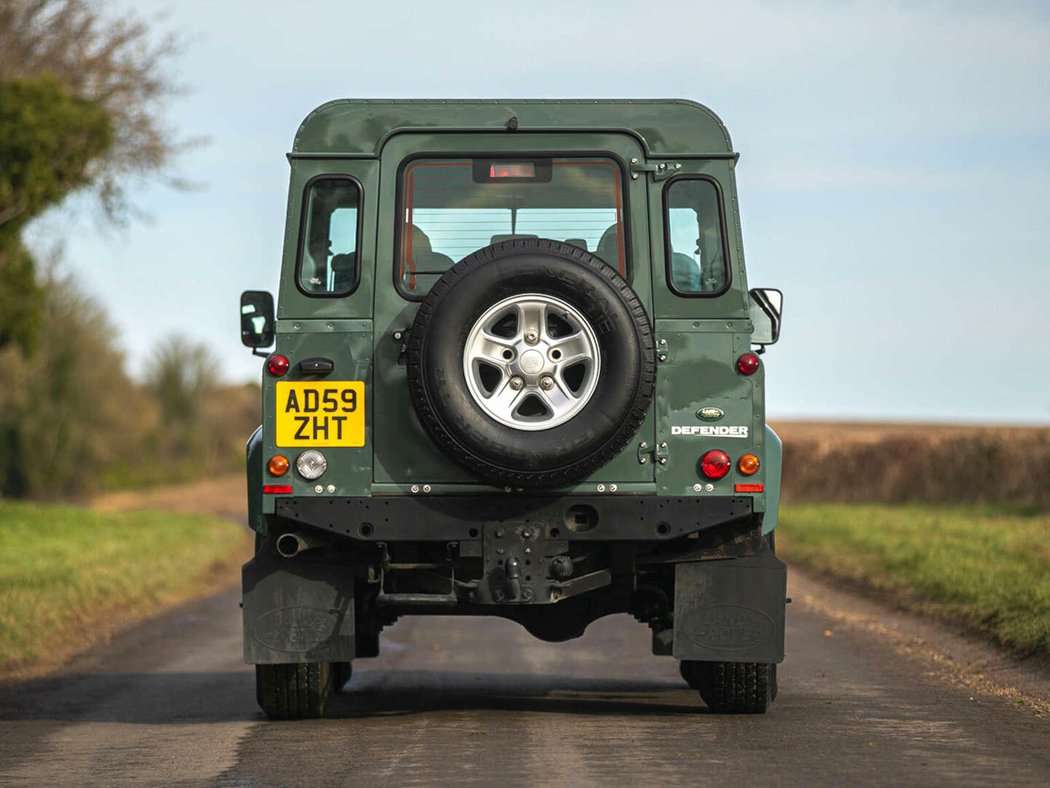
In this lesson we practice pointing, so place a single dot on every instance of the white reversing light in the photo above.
(311, 464)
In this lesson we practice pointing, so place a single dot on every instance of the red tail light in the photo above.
(715, 464)
(747, 364)
(277, 365)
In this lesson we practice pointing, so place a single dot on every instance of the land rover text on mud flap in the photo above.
(516, 371)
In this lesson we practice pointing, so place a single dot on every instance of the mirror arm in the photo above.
(260, 353)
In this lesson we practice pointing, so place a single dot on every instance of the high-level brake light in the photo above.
(524, 169)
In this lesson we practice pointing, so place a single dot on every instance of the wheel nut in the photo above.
(517, 383)
(547, 383)
(532, 337)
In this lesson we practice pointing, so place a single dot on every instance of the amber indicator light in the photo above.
(748, 465)
(278, 465)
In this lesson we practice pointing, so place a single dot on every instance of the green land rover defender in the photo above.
(515, 371)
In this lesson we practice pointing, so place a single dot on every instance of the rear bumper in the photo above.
(599, 518)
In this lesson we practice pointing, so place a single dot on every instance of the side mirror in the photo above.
(257, 323)
(765, 306)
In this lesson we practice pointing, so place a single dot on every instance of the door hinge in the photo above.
(659, 170)
(657, 453)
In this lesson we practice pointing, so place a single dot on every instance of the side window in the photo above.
(695, 247)
(328, 263)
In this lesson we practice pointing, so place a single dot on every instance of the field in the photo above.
(986, 568)
(894, 463)
(949, 521)
(70, 576)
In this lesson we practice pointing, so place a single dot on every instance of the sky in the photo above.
(894, 175)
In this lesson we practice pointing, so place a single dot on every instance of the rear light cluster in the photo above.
(310, 464)
(716, 464)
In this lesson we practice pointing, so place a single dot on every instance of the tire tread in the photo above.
(732, 687)
(293, 692)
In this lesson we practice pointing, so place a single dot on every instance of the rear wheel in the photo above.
(294, 692)
(732, 687)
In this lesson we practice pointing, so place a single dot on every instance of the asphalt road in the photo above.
(460, 701)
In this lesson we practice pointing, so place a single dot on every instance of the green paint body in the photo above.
(699, 340)
(704, 335)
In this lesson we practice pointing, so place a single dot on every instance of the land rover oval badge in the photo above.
(710, 413)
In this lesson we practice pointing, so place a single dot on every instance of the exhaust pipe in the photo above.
(291, 544)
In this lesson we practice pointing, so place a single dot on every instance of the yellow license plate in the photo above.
(321, 414)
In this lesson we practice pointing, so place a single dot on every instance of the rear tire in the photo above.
(732, 687)
(293, 692)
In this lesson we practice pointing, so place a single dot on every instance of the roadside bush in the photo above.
(68, 409)
(932, 465)
(72, 421)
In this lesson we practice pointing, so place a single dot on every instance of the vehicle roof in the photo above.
(359, 127)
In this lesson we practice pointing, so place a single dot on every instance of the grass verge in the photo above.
(70, 576)
(985, 567)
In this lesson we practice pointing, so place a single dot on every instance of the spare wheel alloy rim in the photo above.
(531, 361)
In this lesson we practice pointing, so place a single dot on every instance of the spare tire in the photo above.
(531, 363)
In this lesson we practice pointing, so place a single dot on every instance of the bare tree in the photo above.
(117, 62)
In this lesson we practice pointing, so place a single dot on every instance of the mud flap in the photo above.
(297, 611)
(730, 610)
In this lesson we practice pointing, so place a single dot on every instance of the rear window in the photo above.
(453, 207)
